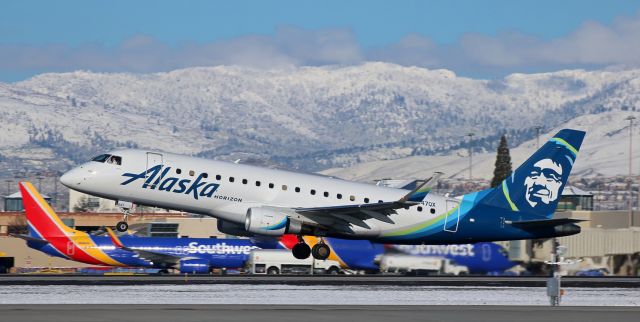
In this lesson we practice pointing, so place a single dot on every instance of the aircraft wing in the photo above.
(356, 214)
(155, 257)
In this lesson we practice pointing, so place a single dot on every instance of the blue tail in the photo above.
(536, 186)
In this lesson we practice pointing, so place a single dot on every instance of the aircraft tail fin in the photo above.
(42, 220)
(536, 186)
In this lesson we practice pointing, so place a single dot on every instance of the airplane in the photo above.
(479, 258)
(48, 234)
(250, 200)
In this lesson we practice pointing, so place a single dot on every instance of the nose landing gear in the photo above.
(125, 208)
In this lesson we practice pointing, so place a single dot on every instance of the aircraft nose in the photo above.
(71, 178)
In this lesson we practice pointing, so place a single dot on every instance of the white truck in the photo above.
(411, 264)
(281, 261)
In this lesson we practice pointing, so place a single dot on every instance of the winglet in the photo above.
(114, 239)
(420, 192)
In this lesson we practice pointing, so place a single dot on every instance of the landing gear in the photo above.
(122, 226)
(301, 251)
(321, 251)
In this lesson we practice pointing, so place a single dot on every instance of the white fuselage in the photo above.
(239, 187)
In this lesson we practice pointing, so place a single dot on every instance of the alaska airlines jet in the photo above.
(252, 200)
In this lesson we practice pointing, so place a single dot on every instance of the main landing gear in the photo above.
(320, 251)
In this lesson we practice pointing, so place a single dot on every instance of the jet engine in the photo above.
(194, 266)
(231, 228)
(270, 222)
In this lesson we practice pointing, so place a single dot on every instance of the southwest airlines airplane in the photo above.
(48, 234)
(250, 200)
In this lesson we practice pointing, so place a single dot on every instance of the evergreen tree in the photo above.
(503, 163)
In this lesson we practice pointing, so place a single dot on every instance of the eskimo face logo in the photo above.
(543, 184)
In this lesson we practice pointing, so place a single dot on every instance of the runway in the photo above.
(392, 280)
(296, 313)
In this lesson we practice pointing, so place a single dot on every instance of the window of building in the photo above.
(284, 187)
(339, 196)
(313, 192)
(366, 200)
(244, 181)
(178, 171)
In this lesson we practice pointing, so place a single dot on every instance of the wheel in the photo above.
(321, 251)
(301, 251)
(122, 226)
(273, 271)
(333, 270)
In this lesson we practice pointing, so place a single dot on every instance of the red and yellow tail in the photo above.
(74, 244)
(40, 215)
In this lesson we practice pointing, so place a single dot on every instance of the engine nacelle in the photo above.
(271, 223)
(195, 266)
(231, 228)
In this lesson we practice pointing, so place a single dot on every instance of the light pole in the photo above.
(630, 119)
(470, 135)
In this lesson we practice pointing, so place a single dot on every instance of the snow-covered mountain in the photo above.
(310, 118)
(604, 152)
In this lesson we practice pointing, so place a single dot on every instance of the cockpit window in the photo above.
(115, 160)
(101, 158)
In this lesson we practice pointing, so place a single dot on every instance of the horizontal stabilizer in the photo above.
(30, 238)
(534, 224)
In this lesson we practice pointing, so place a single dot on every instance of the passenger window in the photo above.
(271, 185)
(231, 179)
(192, 173)
(339, 196)
(313, 192)
(205, 175)
(326, 194)
(257, 183)
(297, 189)
(178, 171)
(352, 198)
(419, 208)
(218, 177)
(244, 181)
(433, 210)
(366, 200)
(284, 187)
(101, 158)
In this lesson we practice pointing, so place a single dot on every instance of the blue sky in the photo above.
(476, 38)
